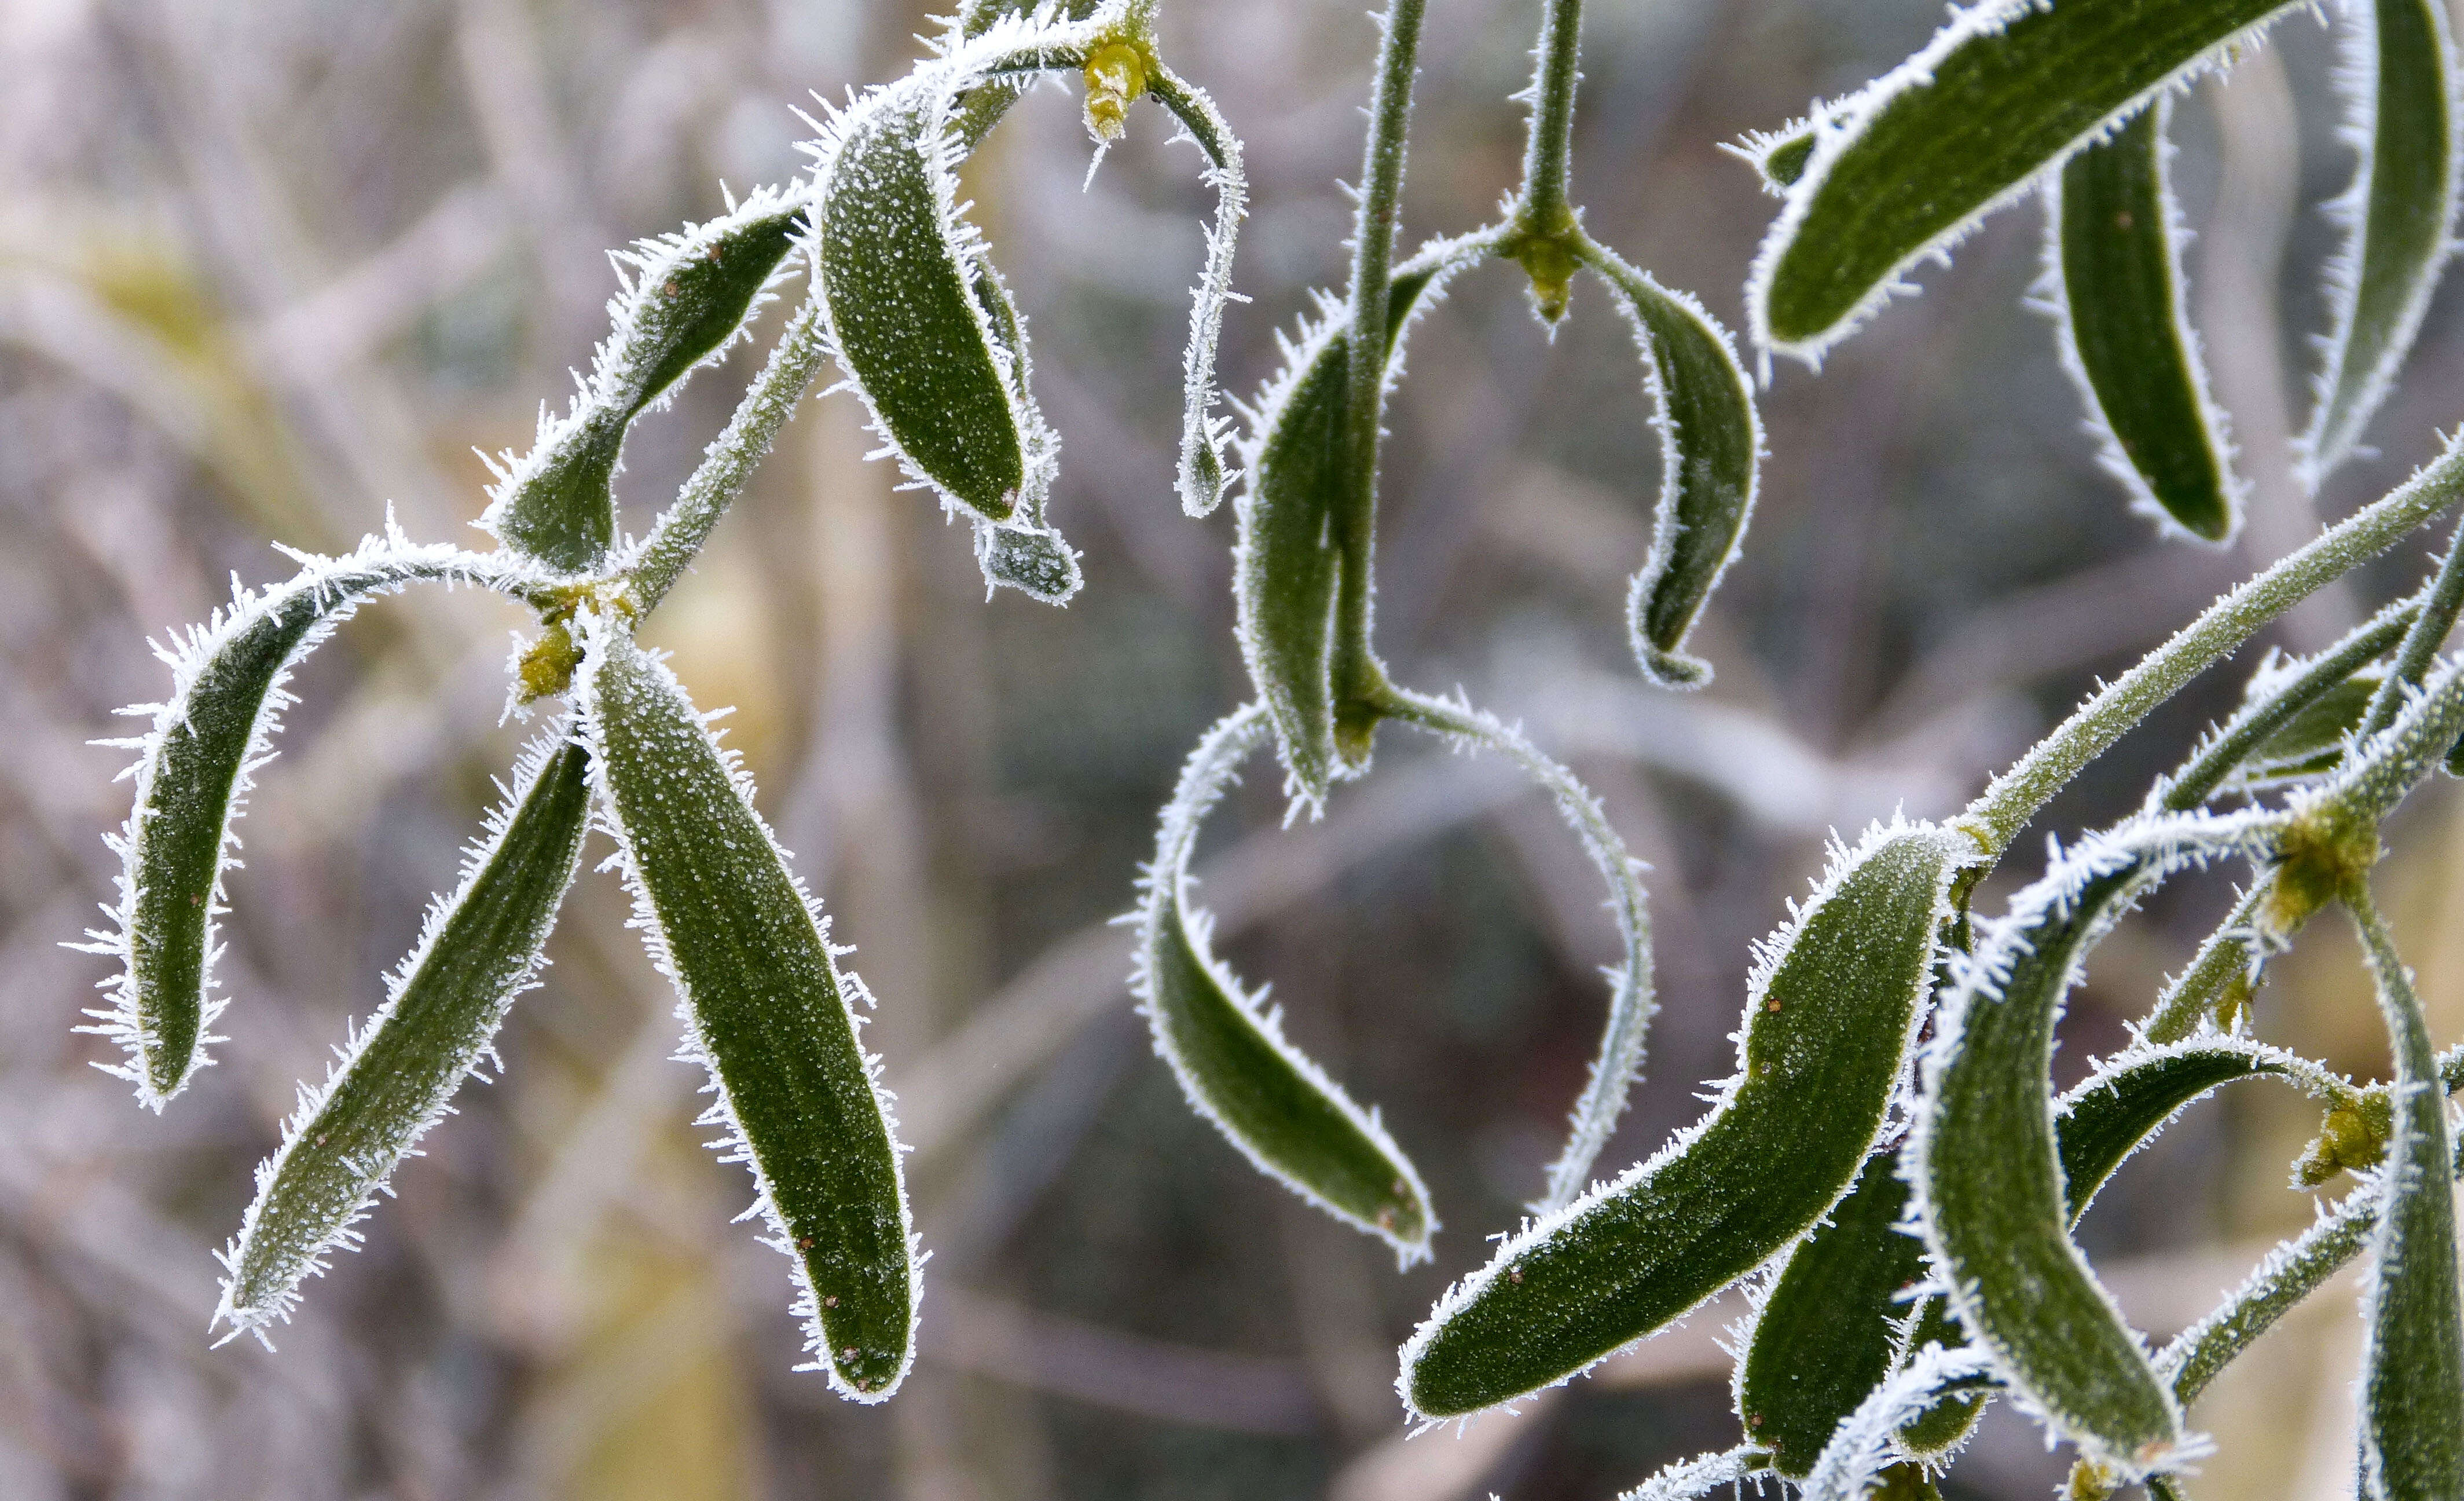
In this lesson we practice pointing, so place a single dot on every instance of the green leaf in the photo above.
(1228, 1052)
(1986, 1157)
(765, 1008)
(1830, 1017)
(1837, 1319)
(923, 325)
(2113, 282)
(193, 771)
(481, 948)
(2399, 80)
(2413, 1358)
(1906, 166)
(1710, 451)
(686, 298)
(1287, 564)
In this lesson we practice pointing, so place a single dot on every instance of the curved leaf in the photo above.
(2113, 282)
(1984, 1156)
(193, 771)
(922, 323)
(1227, 1050)
(1907, 166)
(2400, 79)
(1830, 1018)
(686, 298)
(1287, 563)
(481, 948)
(1710, 455)
(766, 1009)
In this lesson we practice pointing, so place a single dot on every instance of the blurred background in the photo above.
(267, 269)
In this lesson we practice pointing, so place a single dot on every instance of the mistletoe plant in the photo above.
(901, 290)
(1890, 1165)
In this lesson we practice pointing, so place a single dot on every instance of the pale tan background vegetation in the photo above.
(266, 268)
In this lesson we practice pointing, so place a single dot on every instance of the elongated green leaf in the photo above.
(765, 1008)
(481, 948)
(686, 298)
(193, 771)
(1287, 564)
(2413, 1358)
(1710, 454)
(1829, 1016)
(1228, 1052)
(2399, 80)
(923, 324)
(2113, 282)
(1908, 164)
(1837, 1320)
(1985, 1161)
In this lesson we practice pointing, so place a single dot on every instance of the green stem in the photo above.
(1359, 678)
(1548, 155)
(728, 465)
(1997, 816)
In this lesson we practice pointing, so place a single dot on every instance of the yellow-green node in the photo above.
(2319, 857)
(1549, 261)
(547, 667)
(1116, 75)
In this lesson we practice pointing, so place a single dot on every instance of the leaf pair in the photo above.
(2011, 93)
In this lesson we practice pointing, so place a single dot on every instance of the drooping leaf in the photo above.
(1287, 564)
(2113, 281)
(923, 324)
(1907, 166)
(193, 772)
(2412, 1353)
(1228, 1052)
(766, 1010)
(1830, 1017)
(481, 948)
(1710, 454)
(2400, 79)
(687, 297)
(1985, 1153)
